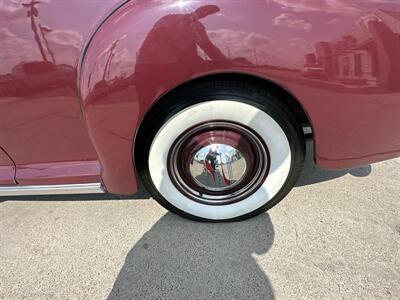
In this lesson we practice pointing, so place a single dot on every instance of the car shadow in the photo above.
(312, 174)
(180, 259)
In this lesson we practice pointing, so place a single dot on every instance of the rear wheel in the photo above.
(224, 151)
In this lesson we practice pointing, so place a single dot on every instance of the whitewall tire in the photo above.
(222, 159)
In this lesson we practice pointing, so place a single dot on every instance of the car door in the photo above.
(41, 124)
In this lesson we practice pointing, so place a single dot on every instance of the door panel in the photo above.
(41, 124)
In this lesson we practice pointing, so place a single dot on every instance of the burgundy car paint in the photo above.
(7, 169)
(339, 59)
(41, 123)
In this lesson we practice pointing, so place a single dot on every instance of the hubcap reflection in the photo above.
(218, 167)
(218, 163)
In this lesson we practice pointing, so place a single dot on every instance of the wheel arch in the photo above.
(277, 90)
(115, 104)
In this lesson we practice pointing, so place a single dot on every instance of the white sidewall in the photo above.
(266, 127)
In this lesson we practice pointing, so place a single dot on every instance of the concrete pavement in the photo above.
(337, 235)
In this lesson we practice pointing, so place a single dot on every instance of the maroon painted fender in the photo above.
(113, 59)
(138, 55)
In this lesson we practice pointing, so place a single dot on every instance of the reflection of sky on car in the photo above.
(227, 150)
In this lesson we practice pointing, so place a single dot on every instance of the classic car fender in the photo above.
(137, 55)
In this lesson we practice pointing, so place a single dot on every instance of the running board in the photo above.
(62, 189)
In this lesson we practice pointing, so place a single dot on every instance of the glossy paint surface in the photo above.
(41, 124)
(7, 169)
(338, 58)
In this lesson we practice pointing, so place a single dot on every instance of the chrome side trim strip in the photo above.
(26, 190)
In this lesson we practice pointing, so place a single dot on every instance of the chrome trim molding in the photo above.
(63, 189)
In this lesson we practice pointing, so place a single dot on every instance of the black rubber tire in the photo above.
(223, 90)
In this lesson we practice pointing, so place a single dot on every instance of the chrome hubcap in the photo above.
(218, 163)
(218, 167)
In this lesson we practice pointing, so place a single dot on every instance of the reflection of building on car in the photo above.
(353, 59)
(313, 69)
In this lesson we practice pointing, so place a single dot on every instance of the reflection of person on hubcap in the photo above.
(211, 157)
(210, 162)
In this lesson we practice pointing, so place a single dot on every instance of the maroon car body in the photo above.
(78, 77)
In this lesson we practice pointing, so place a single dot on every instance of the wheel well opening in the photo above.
(284, 95)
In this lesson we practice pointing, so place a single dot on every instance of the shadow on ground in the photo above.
(312, 174)
(179, 259)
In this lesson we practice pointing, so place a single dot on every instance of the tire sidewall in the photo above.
(266, 103)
